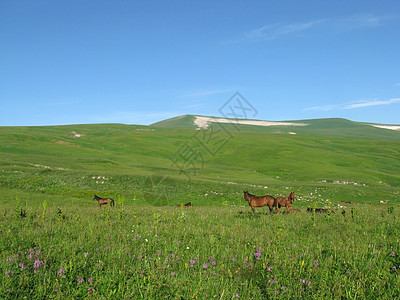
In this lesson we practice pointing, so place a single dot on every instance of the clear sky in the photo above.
(138, 62)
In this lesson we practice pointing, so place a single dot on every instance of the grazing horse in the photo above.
(185, 205)
(285, 201)
(104, 201)
(259, 201)
(320, 210)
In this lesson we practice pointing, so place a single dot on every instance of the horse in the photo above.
(104, 201)
(260, 201)
(320, 210)
(185, 205)
(285, 201)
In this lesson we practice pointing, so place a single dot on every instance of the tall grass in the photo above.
(145, 252)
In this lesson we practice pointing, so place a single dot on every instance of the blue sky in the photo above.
(138, 62)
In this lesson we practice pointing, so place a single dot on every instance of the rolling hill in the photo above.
(316, 127)
(171, 162)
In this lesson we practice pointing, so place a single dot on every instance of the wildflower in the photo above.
(245, 260)
(192, 262)
(61, 272)
(10, 259)
(173, 273)
(9, 273)
(36, 264)
(316, 263)
(257, 255)
(393, 254)
(213, 263)
(172, 255)
(90, 280)
(205, 266)
(79, 280)
(22, 266)
(85, 254)
(237, 295)
(234, 259)
(7, 291)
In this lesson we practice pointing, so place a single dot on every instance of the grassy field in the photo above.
(57, 243)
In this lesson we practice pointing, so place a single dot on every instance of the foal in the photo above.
(104, 201)
(285, 201)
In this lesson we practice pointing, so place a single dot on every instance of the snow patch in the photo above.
(203, 122)
(390, 127)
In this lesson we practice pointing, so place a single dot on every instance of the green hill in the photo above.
(335, 127)
(333, 159)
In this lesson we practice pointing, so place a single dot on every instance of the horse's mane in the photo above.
(250, 195)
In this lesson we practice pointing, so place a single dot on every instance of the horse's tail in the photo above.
(112, 202)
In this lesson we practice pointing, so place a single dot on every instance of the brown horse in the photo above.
(260, 201)
(104, 201)
(285, 201)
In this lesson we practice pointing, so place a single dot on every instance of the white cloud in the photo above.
(270, 32)
(203, 93)
(322, 108)
(372, 103)
(359, 21)
(353, 22)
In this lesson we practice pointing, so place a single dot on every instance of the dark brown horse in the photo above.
(185, 205)
(285, 201)
(104, 201)
(320, 210)
(260, 201)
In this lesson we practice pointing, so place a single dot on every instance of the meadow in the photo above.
(198, 253)
(57, 243)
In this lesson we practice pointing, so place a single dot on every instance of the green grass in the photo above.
(201, 252)
(146, 248)
(135, 160)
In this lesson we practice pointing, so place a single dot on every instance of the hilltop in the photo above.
(335, 127)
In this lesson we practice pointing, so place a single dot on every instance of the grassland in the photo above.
(57, 243)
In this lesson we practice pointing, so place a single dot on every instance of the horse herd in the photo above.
(253, 200)
(270, 201)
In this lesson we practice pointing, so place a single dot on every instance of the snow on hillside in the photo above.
(203, 122)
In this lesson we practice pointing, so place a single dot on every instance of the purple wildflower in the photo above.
(9, 273)
(61, 272)
(237, 295)
(22, 266)
(90, 280)
(10, 259)
(213, 263)
(205, 266)
(36, 264)
(79, 280)
(85, 254)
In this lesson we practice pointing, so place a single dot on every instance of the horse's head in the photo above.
(291, 196)
(246, 195)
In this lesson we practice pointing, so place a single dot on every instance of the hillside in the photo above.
(316, 127)
(167, 166)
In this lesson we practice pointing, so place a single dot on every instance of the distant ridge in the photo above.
(335, 127)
